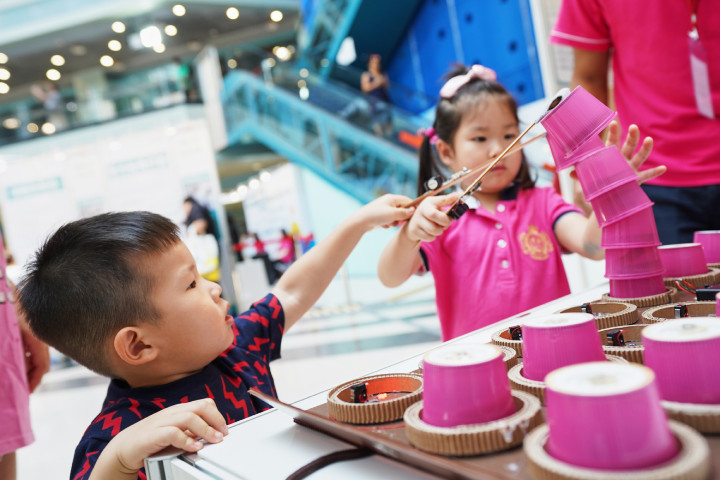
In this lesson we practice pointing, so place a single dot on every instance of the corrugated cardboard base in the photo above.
(612, 314)
(703, 418)
(632, 335)
(667, 312)
(692, 463)
(468, 440)
(708, 278)
(661, 299)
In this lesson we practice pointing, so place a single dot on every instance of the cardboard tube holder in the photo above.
(631, 353)
(667, 312)
(609, 314)
(692, 463)
(519, 382)
(503, 339)
(342, 409)
(697, 281)
(475, 439)
(651, 301)
(703, 418)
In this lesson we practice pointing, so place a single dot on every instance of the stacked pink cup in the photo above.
(623, 210)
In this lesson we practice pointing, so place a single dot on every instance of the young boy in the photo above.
(120, 294)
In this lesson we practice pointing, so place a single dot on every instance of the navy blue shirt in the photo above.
(245, 365)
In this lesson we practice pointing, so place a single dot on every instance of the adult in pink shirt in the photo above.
(648, 43)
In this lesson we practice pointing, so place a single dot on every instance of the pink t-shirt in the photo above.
(490, 266)
(653, 80)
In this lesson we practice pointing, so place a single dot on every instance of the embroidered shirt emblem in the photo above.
(535, 243)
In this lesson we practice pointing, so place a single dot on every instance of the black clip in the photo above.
(434, 182)
(585, 307)
(616, 338)
(681, 311)
(458, 210)
(358, 393)
(515, 332)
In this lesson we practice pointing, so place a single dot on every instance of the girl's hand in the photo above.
(628, 150)
(431, 218)
(386, 211)
(179, 425)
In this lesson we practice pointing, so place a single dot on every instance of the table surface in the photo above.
(271, 445)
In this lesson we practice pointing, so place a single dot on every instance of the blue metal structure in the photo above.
(357, 162)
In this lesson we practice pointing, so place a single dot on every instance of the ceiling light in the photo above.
(118, 27)
(232, 13)
(48, 128)
(53, 74)
(178, 10)
(304, 72)
(11, 123)
(265, 176)
(4, 74)
(150, 36)
(159, 48)
(276, 15)
(304, 93)
(32, 127)
(170, 30)
(115, 45)
(106, 61)
(57, 60)
(254, 183)
(282, 53)
(4, 88)
(232, 63)
(3, 58)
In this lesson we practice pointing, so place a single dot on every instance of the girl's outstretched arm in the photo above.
(400, 257)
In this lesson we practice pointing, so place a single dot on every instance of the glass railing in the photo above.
(122, 96)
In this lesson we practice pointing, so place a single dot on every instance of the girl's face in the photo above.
(483, 134)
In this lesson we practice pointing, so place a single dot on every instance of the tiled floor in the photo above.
(341, 339)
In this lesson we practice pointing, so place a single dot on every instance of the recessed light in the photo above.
(118, 27)
(159, 48)
(53, 74)
(4, 88)
(170, 30)
(115, 45)
(4, 74)
(178, 10)
(232, 13)
(106, 61)
(57, 60)
(3, 58)
(276, 15)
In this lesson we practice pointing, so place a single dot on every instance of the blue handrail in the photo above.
(357, 162)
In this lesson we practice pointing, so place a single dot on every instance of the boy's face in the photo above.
(193, 318)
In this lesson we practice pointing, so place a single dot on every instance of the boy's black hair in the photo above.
(88, 281)
(448, 115)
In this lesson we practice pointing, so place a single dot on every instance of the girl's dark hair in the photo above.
(448, 115)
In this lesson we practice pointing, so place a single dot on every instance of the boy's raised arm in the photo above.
(180, 426)
(303, 283)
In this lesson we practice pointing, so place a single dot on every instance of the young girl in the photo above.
(504, 255)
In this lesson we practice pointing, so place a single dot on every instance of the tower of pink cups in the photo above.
(623, 210)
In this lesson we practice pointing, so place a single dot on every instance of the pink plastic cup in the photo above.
(607, 416)
(620, 202)
(685, 354)
(637, 287)
(559, 340)
(683, 259)
(632, 262)
(710, 240)
(603, 170)
(465, 384)
(636, 230)
(557, 149)
(575, 120)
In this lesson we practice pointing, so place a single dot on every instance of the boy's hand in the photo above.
(628, 150)
(179, 426)
(386, 211)
(431, 218)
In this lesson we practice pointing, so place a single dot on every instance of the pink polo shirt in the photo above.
(490, 266)
(653, 82)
